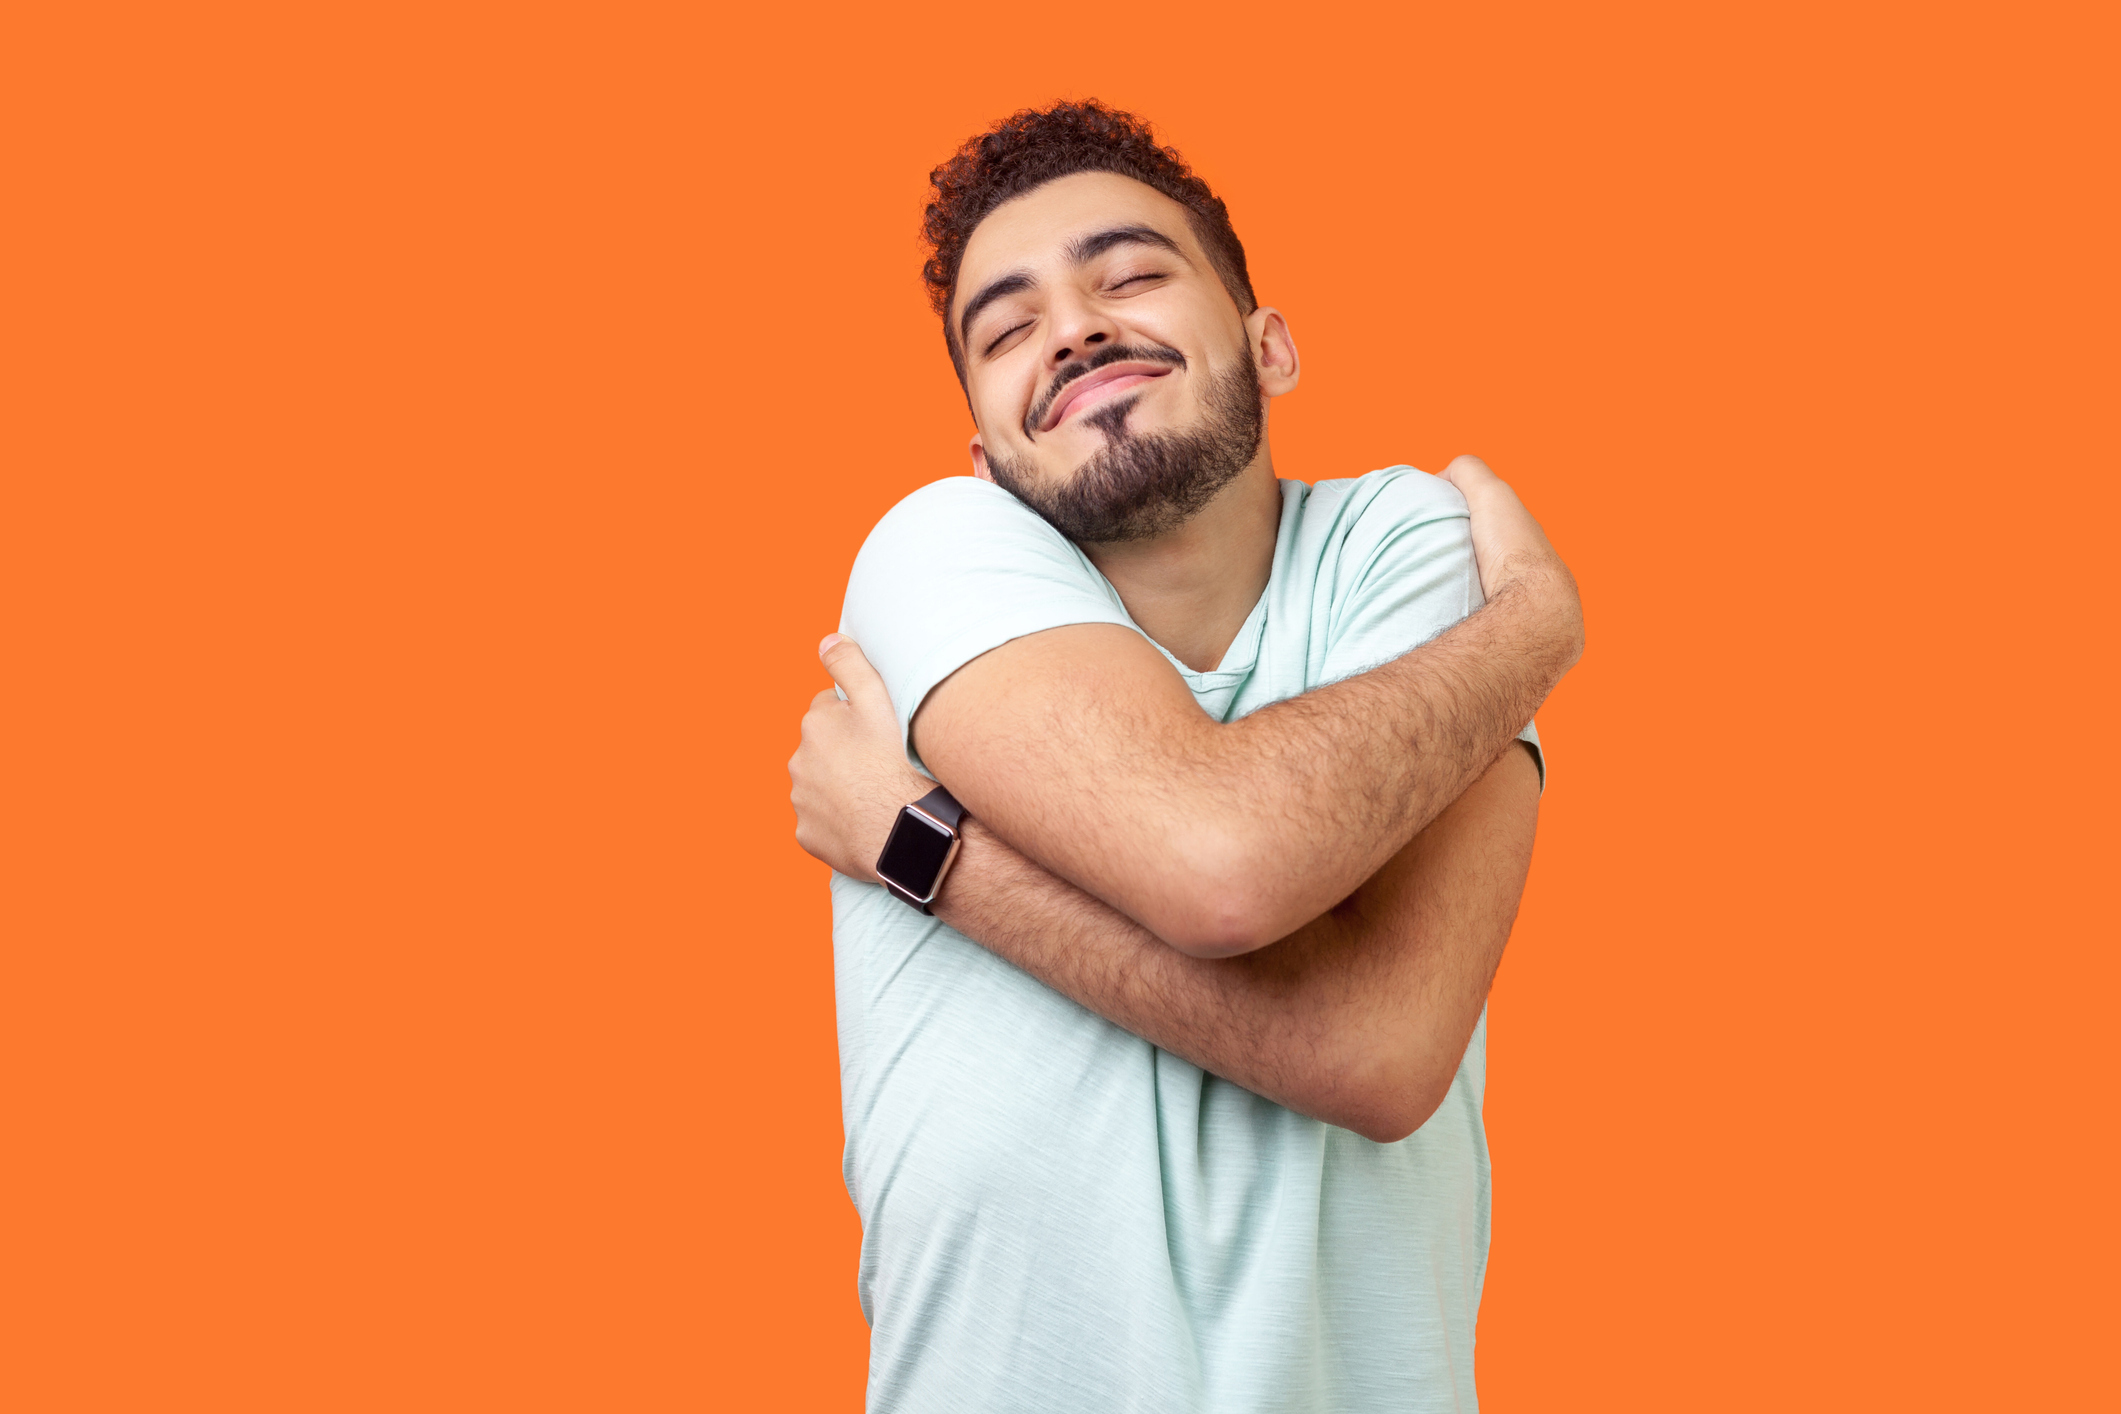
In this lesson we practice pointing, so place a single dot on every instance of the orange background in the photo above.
(436, 440)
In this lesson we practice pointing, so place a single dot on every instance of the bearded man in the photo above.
(1179, 815)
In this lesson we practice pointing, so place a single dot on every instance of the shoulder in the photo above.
(1395, 498)
(966, 533)
(957, 495)
(1395, 563)
(957, 506)
(956, 569)
(1388, 520)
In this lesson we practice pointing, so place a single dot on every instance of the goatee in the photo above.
(1142, 485)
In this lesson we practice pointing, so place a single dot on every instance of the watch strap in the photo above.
(941, 805)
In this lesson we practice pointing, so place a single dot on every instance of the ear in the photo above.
(1274, 350)
(979, 459)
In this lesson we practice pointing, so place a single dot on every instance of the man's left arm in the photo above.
(1359, 1018)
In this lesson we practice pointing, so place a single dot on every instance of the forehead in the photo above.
(1031, 231)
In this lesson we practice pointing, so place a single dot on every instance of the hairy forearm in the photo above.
(1329, 785)
(1222, 838)
(1359, 1018)
(1256, 1020)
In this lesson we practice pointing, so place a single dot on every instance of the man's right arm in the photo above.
(1360, 1018)
(1081, 748)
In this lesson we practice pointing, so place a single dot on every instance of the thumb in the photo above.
(862, 683)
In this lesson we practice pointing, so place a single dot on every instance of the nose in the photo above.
(1078, 327)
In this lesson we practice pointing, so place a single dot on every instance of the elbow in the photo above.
(1221, 898)
(1388, 1099)
(1391, 1119)
(1215, 928)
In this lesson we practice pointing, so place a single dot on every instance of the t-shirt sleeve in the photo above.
(957, 568)
(1405, 573)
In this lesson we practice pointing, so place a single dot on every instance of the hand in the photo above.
(850, 776)
(1513, 554)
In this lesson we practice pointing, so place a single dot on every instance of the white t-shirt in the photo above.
(1056, 1215)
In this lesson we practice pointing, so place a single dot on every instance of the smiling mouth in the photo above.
(1094, 388)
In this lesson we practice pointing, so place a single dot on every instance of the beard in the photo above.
(1141, 485)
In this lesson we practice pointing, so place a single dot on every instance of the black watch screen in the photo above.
(914, 854)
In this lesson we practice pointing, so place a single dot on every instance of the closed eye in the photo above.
(999, 339)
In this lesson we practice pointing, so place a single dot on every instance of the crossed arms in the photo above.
(1139, 857)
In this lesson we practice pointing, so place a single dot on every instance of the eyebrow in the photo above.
(1084, 249)
(1014, 282)
(1081, 251)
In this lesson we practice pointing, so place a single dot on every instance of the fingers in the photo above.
(1479, 484)
(1495, 507)
(1507, 540)
(863, 685)
(1467, 472)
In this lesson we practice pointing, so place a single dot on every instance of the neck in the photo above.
(1192, 589)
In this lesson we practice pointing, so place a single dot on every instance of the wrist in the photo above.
(922, 845)
(881, 817)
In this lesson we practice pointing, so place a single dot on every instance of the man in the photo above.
(1172, 1102)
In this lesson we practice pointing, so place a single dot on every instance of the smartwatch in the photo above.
(923, 843)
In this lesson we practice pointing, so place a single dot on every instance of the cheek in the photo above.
(999, 401)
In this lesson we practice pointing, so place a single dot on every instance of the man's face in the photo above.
(1108, 368)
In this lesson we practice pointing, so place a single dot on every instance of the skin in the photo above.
(1130, 851)
(1192, 589)
(1358, 1018)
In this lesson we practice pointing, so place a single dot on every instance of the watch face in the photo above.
(914, 854)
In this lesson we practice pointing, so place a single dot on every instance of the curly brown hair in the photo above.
(1036, 146)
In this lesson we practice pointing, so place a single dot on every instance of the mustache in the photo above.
(1069, 372)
